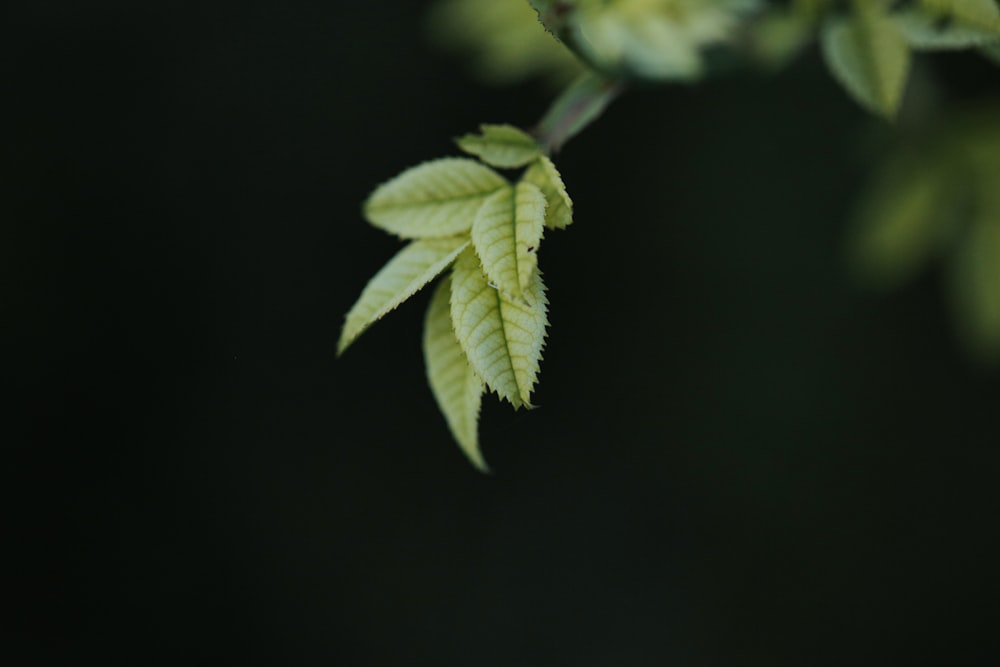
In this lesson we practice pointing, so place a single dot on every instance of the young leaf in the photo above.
(456, 387)
(502, 146)
(950, 24)
(506, 234)
(434, 199)
(869, 55)
(544, 175)
(413, 267)
(502, 339)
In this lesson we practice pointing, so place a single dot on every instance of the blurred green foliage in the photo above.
(934, 198)
(502, 39)
(647, 39)
(867, 44)
(937, 198)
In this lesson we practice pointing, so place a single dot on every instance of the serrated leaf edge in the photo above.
(449, 250)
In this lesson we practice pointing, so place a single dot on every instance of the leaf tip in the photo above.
(466, 142)
(479, 463)
(344, 342)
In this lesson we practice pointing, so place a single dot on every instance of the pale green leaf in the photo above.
(413, 267)
(434, 199)
(869, 55)
(950, 24)
(506, 234)
(502, 338)
(976, 289)
(502, 146)
(559, 209)
(640, 44)
(655, 39)
(456, 387)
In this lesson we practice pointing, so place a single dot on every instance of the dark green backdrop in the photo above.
(740, 458)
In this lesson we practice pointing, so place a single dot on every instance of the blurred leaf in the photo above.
(456, 387)
(503, 146)
(976, 288)
(504, 40)
(779, 36)
(651, 47)
(869, 55)
(437, 198)
(506, 234)
(950, 24)
(942, 197)
(502, 339)
(906, 216)
(559, 209)
(653, 39)
(413, 267)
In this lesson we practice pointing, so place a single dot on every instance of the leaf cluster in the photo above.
(868, 45)
(486, 323)
(645, 39)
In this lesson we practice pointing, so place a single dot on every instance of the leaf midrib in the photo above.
(434, 202)
(513, 222)
(506, 344)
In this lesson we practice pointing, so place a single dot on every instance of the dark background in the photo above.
(741, 458)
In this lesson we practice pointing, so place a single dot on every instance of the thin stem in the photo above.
(578, 106)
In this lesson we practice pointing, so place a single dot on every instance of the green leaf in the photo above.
(651, 39)
(639, 43)
(434, 199)
(502, 339)
(869, 55)
(950, 24)
(903, 222)
(506, 234)
(559, 209)
(456, 387)
(502, 146)
(778, 36)
(550, 14)
(501, 40)
(976, 289)
(413, 267)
